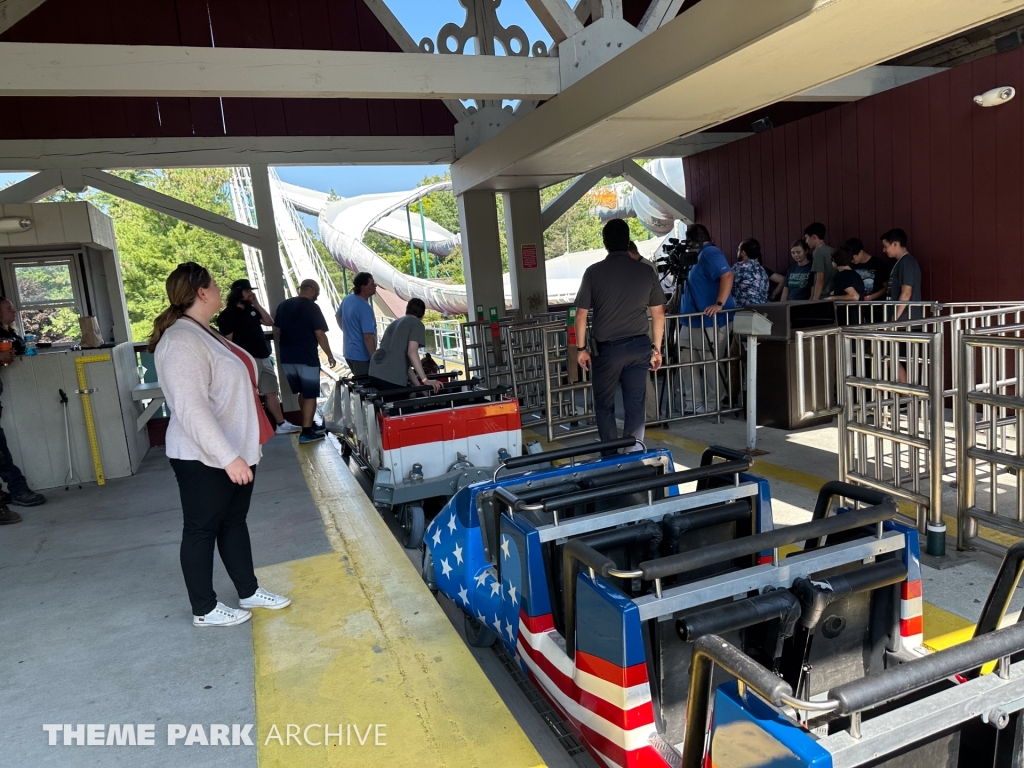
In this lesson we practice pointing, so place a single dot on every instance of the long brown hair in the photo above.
(183, 286)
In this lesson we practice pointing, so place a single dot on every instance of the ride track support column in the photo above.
(273, 273)
(481, 250)
(524, 230)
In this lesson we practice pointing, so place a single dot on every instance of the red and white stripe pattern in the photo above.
(608, 706)
(911, 614)
(435, 438)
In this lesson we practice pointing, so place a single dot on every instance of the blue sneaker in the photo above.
(311, 437)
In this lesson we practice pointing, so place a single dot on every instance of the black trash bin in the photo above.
(777, 382)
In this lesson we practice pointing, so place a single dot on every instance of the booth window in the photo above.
(48, 297)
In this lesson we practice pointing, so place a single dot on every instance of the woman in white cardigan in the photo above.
(213, 442)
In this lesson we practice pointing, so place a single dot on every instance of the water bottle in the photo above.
(30, 344)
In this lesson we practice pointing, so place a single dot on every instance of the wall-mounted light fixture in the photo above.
(995, 97)
(13, 225)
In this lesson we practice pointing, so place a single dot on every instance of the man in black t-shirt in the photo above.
(847, 285)
(904, 284)
(242, 322)
(302, 328)
(872, 270)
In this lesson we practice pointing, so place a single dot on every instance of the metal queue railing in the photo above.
(700, 376)
(892, 424)
(894, 386)
(525, 342)
(989, 448)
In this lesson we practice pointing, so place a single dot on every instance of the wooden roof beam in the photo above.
(49, 69)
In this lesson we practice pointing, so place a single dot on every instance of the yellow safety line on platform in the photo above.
(90, 422)
(364, 643)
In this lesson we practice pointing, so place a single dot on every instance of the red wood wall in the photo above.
(341, 25)
(922, 157)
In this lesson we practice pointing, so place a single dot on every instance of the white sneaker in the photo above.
(263, 599)
(222, 616)
(286, 428)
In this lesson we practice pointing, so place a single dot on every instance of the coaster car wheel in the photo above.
(414, 521)
(477, 635)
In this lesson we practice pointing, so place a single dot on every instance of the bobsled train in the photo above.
(671, 624)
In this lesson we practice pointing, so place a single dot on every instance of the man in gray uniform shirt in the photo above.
(619, 290)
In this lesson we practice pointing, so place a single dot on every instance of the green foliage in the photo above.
(50, 283)
(151, 245)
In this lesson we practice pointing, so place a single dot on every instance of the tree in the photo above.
(151, 244)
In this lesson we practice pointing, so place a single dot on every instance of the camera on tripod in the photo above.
(678, 258)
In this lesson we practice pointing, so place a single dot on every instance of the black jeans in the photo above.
(214, 510)
(626, 363)
(9, 472)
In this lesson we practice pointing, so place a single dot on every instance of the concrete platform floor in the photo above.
(97, 627)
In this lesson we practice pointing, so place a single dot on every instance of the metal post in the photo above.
(412, 250)
(937, 454)
(752, 393)
(967, 526)
(423, 229)
(846, 412)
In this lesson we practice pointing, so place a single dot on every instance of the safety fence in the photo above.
(892, 425)
(701, 373)
(991, 419)
(902, 422)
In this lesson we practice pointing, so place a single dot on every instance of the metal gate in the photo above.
(892, 426)
(991, 421)
(701, 376)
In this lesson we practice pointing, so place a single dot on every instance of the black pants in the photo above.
(214, 510)
(383, 386)
(9, 472)
(358, 367)
(625, 363)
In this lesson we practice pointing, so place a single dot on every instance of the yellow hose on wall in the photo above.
(90, 424)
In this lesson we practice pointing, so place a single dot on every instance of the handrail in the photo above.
(1003, 587)
(751, 545)
(867, 692)
(571, 452)
(710, 650)
(633, 486)
(834, 488)
(639, 486)
(443, 397)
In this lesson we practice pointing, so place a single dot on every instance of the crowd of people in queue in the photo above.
(623, 300)
(821, 272)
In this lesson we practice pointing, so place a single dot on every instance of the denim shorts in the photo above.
(303, 379)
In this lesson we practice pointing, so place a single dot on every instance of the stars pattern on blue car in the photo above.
(474, 585)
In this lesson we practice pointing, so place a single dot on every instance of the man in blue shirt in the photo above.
(358, 324)
(707, 290)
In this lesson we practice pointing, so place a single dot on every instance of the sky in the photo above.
(421, 19)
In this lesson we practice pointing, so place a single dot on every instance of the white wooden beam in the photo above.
(694, 73)
(225, 152)
(161, 203)
(42, 184)
(394, 27)
(557, 17)
(691, 145)
(582, 10)
(658, 13)
(13, 11)
(657, 190)
(48, 69)
(866, 83)
(606, 9)
(569, 196)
